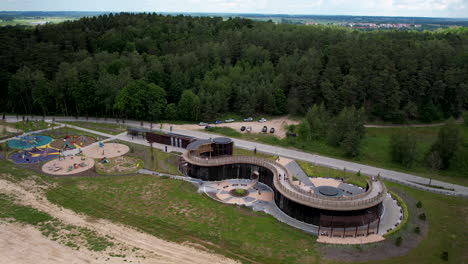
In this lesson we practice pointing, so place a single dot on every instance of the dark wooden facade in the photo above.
(169, 139)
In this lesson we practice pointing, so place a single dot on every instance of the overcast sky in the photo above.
(433, 8)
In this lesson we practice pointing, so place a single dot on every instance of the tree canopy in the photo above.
(95, 65)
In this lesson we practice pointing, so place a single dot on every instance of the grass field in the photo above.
(318, 171)
(173, 210)
(112, 129)
(374, 149)
(67, 131)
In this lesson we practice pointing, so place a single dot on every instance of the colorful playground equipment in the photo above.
(33, 149)
(35, 155)
(29, 141)
(72, 142)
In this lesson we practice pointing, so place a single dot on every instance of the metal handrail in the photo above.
(295, 193)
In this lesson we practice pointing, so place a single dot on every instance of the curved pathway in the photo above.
(399, 177)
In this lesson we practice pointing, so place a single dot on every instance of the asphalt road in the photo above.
(403, 178)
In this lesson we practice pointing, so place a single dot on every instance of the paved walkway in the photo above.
(32, 132)
(297, 171)
(399, 177)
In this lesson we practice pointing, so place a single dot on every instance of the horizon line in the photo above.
(233, 13)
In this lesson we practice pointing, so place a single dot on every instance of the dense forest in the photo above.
(152, 67)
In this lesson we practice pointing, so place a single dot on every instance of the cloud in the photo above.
(447, 8)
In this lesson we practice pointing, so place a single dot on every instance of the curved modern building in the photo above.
(323, 206)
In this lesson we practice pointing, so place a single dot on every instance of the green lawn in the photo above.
(172, 210)
(112, 129)
(374, 149)
(318, 171)
(28, 126)
(67, 131)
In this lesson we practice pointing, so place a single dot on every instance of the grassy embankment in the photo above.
(374, 149)
(112, 129)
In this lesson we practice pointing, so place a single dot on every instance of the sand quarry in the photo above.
(25, 244)
(277, 123)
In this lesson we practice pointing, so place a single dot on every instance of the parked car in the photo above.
(218, 122)
(230, 120)
(203, 124)
(242, 128)
(265, 129)
(272, 130)
(291, 134)
(207, 127)
(248, 119)
(262, 120)
(249, 129)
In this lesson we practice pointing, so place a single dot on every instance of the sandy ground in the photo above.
(8, 129)
(31, 248)
(277, 123)
(350, 240)
(60, 167)
(110, 150)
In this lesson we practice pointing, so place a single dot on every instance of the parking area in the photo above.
(279, 124)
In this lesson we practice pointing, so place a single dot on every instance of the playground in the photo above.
(68, 165)
(72, 142)
(35, 155)
(29, 141)
(106, 150)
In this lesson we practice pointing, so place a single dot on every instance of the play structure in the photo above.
(29, 141)
(72, 142)
(35, 155)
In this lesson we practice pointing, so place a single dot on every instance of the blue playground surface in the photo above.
(29, 142)
(36, 155)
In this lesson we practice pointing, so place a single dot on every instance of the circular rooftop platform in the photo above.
(329, 191)
(222, 140)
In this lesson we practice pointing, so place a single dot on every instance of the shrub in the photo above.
(419, 204)
(398, 241)
(358, 173)
(422, 216)
(417, 230)
(444, 255)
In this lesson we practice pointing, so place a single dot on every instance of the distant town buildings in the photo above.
(375, 25)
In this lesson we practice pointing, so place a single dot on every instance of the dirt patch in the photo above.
(278, 124)
(81, 141)
(385, 249)
(151, 249)
(119, 165)
(8, 129)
